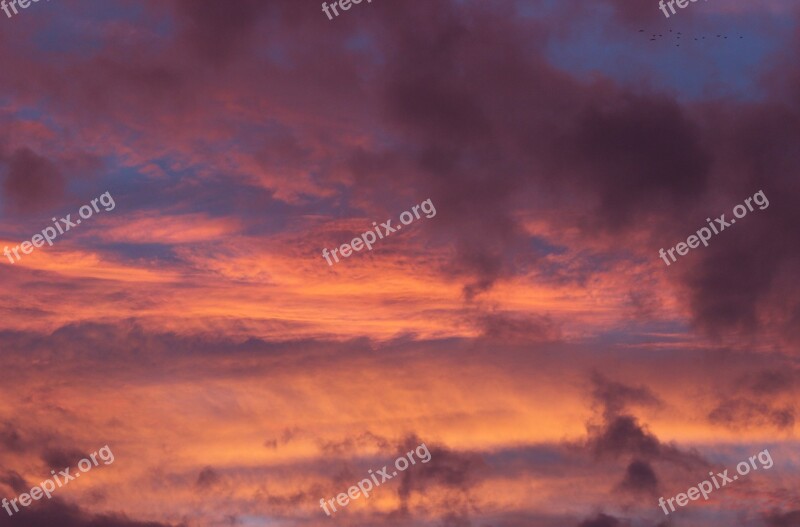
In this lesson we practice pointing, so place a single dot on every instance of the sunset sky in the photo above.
(527, 332)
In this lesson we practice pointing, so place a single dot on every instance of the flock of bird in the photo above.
(678, 36)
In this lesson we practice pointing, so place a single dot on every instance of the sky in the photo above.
(193, 165)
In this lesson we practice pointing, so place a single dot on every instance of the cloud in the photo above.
(640, 478)
(620, 435)
(15, 481)
(287, 436)
(601, 520)
(615, 397)
(11, 439)
(772, 382)
(266, 124)
(58, 458)
(351, 444)
(208, 477)
(56, 512)
(32, 182)
(783, 519)
(624, 435)
(517, 328)
(218, 32)
(740, 413)
(289, 503)
(448, 468)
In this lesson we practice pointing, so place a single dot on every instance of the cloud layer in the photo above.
(529, 334)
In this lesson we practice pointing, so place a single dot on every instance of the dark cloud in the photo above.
(783, 519)
(511, 328)
(616, 397)
(624, 435)
(619, 160)
(59, 458)
(208, 477)
(757, 399)
(605, 520)
(218, 31)
(740, 413)
(52, 512)
(601, 520)
(772, 382)
(635, 14)
(448, 468)
(746, 284)
(32, 182)
(728, 296)
(10, 438)
(287, 504)
(614, 144)
(286, 436)
(350, 444)
(440, 102)
(640, 478)
(518, 118)
(456, 519)
(15, 481)
(620, 435)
